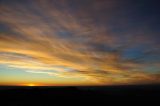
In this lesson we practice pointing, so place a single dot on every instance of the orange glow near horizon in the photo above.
(31, 84)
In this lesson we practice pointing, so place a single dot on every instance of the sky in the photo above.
(79, 42)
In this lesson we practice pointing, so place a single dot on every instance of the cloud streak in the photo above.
(51, 35)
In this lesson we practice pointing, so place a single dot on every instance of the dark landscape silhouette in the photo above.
(43, 95)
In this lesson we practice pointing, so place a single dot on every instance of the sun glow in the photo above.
(31, 85)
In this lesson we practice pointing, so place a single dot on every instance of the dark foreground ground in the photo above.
(54, 96)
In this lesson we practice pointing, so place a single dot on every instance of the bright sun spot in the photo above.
(31, 84)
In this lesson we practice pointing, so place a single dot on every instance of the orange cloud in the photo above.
(52, 38)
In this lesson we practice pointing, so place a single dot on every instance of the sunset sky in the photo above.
(79, 42)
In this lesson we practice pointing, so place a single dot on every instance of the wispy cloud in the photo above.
(41, 35)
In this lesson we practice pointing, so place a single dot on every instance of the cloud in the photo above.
(41, 36)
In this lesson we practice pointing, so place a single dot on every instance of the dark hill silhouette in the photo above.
(63, 95)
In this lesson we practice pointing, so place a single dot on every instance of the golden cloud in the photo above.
(45, 37)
